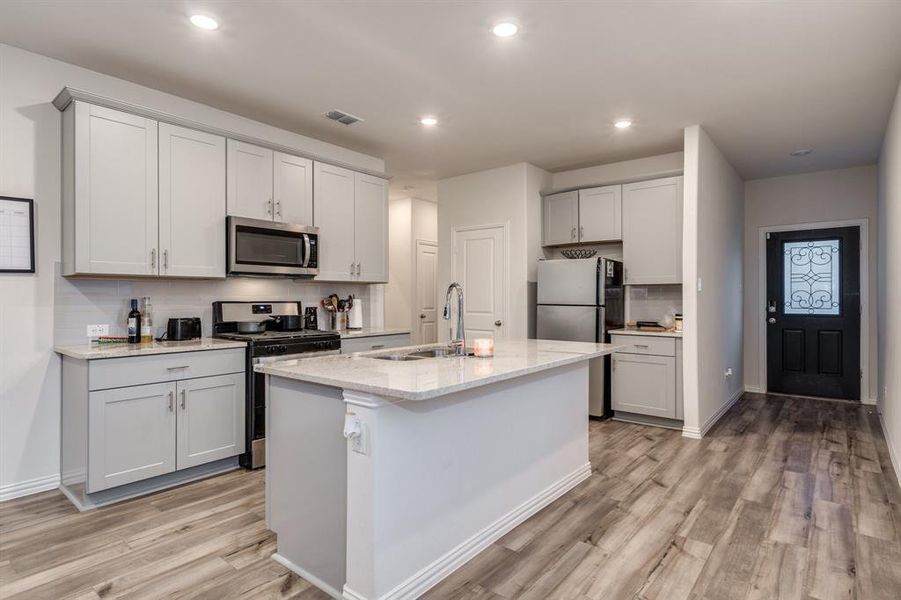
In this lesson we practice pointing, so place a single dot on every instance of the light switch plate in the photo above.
(96, 331)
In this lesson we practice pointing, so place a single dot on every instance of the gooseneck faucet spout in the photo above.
(458, 341)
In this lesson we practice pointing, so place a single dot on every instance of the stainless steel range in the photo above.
(275, 342)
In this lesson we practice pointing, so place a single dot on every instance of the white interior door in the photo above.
(480, 266)
(293, 189)
(249, 181)
(192, 202)
(426, 290)
(334, 216)
(116, 198)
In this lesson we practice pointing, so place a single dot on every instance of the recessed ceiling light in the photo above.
(505, 29)
(428, 121)
(622, 123)
(802, 152)
(204, 22)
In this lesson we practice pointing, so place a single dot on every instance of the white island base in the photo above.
(429, 483)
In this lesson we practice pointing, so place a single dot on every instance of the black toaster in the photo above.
(183, 329)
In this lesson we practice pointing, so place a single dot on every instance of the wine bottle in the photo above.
(134, 323)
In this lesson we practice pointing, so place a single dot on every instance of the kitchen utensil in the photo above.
(578, 252)
(287, 322)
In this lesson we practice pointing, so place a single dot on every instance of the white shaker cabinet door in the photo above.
(210, 419)
(192, 203)
(249, 183)
(561, 219)
(652, 231)
(371, 228)
(644, 384)
(333, 213)
(601, 214)
(293, 189)
(115, 192)
(132, 434)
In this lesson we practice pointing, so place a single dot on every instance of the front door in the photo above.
(813, 312)
(479, 265)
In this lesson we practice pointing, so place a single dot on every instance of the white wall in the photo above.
(30, 168)
(409, 220)
(712, 253)
(492, 197)
(889, 206)
(821, 197)
(652, 167)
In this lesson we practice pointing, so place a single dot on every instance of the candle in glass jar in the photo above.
(483, 347)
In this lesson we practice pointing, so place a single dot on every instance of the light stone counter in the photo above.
(432, 377)
(672, 333)
(94, 352)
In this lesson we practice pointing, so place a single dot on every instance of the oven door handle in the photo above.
(306, 250)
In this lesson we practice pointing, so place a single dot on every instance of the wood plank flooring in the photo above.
(785, 498)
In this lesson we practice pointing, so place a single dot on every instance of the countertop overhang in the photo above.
(96, 352)
(432, 377)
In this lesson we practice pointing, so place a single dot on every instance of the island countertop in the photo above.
(433, 377)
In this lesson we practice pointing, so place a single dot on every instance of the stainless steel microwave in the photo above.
(260, 247)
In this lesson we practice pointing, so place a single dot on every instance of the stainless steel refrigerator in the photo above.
(581, 300)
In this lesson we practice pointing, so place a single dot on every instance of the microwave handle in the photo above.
(306, 250)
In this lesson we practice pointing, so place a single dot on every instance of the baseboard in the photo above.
(869, 401)
(308, 576)
(755, 389)
(697, 433)
(429, 576)
(894, 456)
(26, 488)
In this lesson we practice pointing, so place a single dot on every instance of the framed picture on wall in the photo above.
(16, 235)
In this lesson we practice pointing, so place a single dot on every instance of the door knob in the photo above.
(771, 320)
(422, 316)
(498, 323)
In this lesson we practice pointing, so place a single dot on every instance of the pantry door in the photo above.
(480, 266)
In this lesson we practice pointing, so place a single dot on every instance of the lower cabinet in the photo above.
(376, 342)
(647, 378)
(143, 431)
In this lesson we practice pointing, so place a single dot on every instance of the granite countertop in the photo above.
(672, 333)
(93, 352)
(370, 332)
(432, 377)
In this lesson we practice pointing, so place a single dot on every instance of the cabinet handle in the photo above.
(378, 346)
(358, 269)
(176, 368)
(278, 208)
(352, 269)
(171, 401)
(269, 206)
(581, 231)
(153, 258)
(183, 394)
(640, 345)
(572, 234)
(166, 259)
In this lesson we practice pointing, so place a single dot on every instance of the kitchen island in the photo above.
(386, 471)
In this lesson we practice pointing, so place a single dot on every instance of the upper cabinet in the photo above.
(652, 231)
(140, 197)
(583, 216)
(601, 214)
(270, 185)
(109, 192)
(351, 212)
(561, 219)
(192, 211)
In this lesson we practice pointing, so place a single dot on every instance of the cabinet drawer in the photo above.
(378, 342)
(138, 370)
(641, 344)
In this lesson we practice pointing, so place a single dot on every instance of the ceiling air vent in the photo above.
(342, 117)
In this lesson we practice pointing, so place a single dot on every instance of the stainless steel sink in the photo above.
(432, 353)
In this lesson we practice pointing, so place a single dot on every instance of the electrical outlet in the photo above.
(727, 373)
(96, 331)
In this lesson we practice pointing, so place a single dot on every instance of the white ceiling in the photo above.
(764, 78)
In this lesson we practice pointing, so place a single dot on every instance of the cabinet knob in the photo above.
(498, 323)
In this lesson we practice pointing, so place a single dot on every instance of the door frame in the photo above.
(415, 287)
(505, 231)
(760, 312)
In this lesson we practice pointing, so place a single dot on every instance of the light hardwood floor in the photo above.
(785, 498)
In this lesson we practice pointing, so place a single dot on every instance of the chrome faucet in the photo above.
(458, 342)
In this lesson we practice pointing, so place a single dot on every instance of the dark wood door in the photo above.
(813, 312)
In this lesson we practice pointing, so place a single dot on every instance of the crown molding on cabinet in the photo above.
(69, 94)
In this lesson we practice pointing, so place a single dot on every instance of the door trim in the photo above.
(760, 306)
(505, 231)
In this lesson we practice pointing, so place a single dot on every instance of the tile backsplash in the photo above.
(653, 302)
(82, 302)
